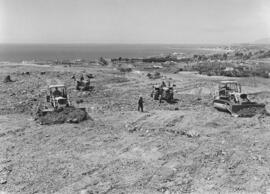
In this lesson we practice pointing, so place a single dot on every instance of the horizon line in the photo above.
(115, 43)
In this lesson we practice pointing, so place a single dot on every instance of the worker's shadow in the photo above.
(173, 101)
(90, 89)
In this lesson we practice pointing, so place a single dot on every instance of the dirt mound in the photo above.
(250, 112)
(155, 75)
(65, 115)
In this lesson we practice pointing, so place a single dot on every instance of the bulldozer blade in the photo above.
(45, 111)
(247, 110)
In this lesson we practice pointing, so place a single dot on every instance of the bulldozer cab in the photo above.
(58, 90)
(231, 86)
(232, 100)
(58, 96)
(228, 87)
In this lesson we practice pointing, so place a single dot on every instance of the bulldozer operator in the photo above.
(162, 85)
(56, 92)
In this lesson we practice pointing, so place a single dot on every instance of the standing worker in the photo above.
(140, 104)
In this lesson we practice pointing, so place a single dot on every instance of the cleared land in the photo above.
(186, 147)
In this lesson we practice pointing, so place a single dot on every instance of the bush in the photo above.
(102, 61)
(124, 69)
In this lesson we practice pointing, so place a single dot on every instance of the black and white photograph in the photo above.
(134, 97)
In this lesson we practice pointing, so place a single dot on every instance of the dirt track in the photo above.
(195, 149)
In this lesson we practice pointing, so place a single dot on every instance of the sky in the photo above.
(134, 21)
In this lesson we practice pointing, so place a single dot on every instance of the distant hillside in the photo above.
(263, 41)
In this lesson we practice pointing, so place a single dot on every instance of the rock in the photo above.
(26, 73)
(85, 94)
(75, 120)
(3, 180)
(4, 175)
(192, 133)
(85, 191)
(163, 189)
(7, 79)
(131, 129)
(34, 99)
(90, 75)
(78, 101)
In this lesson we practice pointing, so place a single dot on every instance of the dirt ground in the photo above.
(186, 147)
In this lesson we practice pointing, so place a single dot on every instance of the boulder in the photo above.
(7, 79)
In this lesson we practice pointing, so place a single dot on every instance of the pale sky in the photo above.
(134, 21)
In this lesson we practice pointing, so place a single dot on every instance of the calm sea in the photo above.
(24, 52)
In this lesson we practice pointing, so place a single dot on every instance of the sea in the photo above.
(45, 52)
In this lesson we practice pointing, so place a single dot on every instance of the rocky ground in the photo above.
(186, 147)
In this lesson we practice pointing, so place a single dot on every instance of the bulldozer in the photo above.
(83, 85)
(56, 98)
(231, 99)
(166, 94)
(58, 108)
(162, 93)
